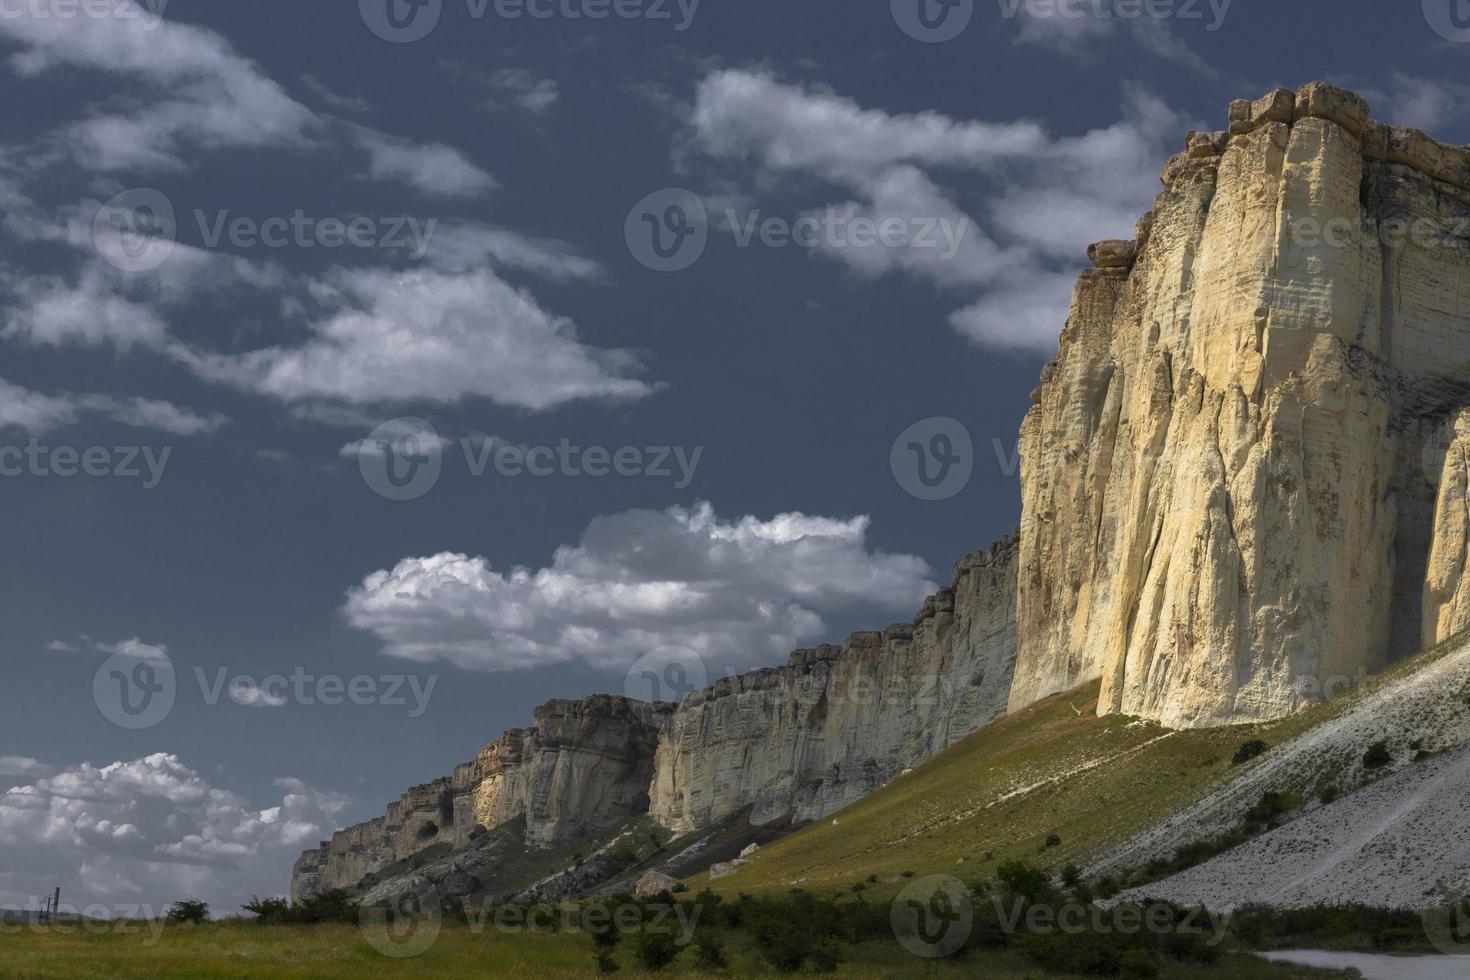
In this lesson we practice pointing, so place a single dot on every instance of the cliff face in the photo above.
(583, 769)
(838, 722)
(800, 740)
(1244, 475)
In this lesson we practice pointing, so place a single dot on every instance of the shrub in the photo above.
(190, 911)
(1087, 953)
(1025, 881)
(605, 963)
(709, 952)
(1377, 756)
(1071, 876)
(1248, 751)
(268, 911)
(654, 949)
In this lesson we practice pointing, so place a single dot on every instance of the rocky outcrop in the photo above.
(837, 722)
(1237, 479)
(797, 741)
(583, 769)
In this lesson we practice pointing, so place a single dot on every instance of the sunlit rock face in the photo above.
(1244, 475)
(837, 722)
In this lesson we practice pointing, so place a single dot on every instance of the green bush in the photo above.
(1021, 879)
(190, 911)
(654, 949)
(1249, 751)
(1377, 756)
(709, 952)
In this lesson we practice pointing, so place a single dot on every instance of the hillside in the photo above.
(1120, 792)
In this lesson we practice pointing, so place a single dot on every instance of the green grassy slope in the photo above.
(1054, 768)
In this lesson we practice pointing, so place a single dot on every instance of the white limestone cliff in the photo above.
(1232, 472)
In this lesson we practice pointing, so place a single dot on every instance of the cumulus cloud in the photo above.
(741, 593)
(1011, 187)
(150, 830)
(432, 337)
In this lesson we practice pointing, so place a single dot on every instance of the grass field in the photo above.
(243, 949)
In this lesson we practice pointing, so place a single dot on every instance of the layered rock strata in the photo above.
(1244, 474)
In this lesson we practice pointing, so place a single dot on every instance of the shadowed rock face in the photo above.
(804, 739)
(1245, 472)
(583, 769)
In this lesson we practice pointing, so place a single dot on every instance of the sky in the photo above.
(372, 373)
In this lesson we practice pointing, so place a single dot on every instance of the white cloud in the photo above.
(521, 88)
(461, 246)
(249, 694)
(433, 337)
(31, 411)
(432, 168)
(35, 413)
(1419, 103)
(152, 830)
(205, 94)
(740, 593)
(17, 767)
(1023, 183)
(1079, 34)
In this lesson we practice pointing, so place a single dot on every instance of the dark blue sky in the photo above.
(530, 320)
